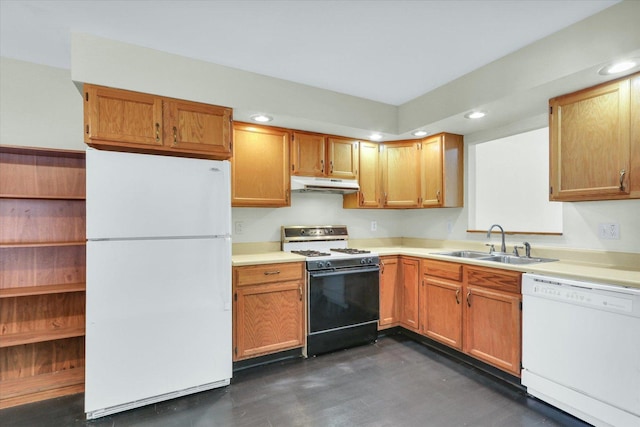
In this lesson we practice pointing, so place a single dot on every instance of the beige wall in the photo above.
(39, 106)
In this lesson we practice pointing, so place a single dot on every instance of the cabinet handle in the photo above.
(385, 198)
(622, 173)
(469, 298)
(361, 198)
(331, 166)
(457, 296)
(270, 273)
(300, 290)
(157, 132)
(322, 165)
(381, 267)
(175, 135)
(438, 196)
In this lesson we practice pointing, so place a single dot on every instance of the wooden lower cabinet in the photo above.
(389, 292)
(409, 275)
(268, 309)
(492, 317)
(442, 311)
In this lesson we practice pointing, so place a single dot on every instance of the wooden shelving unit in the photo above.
(42, 273)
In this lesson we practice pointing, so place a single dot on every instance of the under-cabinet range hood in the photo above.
(301, 184)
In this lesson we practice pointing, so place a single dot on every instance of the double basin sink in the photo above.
(496, 257)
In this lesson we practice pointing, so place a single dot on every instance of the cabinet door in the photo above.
(269, 318)
(119, 117)
(308, 154)
(431, 172)
(401, 175)
(369, 179)
(492, 327)
(389, 295)
(410, 282)
(260, 166)
(441, 311)
(198, 128)
(343, 158)
(590, 144)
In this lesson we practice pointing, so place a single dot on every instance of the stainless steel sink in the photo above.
(465, 254)
(500, 258)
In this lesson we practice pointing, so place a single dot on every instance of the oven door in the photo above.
(342, 298)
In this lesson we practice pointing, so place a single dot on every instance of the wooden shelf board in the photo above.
(41, 151)
(10, 340)
(39, 384)
(42, 290)
(41, 244)
(40, 197)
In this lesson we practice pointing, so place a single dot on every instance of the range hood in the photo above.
(302, 184)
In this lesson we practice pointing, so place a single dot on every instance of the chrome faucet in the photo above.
(527, 249)
(503, 247)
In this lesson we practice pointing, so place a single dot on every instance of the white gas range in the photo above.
(343, 293)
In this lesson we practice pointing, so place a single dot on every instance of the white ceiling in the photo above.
(386, 51)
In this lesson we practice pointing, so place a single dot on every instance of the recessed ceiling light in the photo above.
(475, 115)
(375, 137)
(261, 118)
(420, 133)
(618, 67)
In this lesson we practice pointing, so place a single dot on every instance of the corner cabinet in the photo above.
(442, 171)
(42, 274)
(401, 174)
(260, 166)
(268, 309)
(595, 142)
(369, 178)
(122, 120)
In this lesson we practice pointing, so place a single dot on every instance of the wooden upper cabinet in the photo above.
(308, 154)
(369, 178)
(442, 179)
(194, 127)
(592, 154)
(121, 117)
(401, 174)
(131, 121)
(342, 156)
(260, 166)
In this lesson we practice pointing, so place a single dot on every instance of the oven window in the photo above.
(338, 300)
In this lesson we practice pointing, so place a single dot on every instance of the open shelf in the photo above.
(10, 340)
(43, 197)
(38, 387)
(26, 291)
(41, 244)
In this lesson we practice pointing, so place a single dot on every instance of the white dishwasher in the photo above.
(581, 348)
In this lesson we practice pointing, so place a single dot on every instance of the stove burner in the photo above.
(310, 253)
(350, 251)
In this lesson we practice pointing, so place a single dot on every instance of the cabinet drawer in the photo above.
(492, 278)
(268, 273)
(442, 269)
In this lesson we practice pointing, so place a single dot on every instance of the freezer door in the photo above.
(158, 318)
(141, 196)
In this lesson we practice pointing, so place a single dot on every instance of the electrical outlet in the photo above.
(374, 225)
(449, 227)
(609, 230)
(238, 227)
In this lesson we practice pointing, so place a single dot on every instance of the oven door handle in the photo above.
(344, 271)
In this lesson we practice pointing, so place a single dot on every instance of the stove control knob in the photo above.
(328, 264)
(363, 261)
(320, 265)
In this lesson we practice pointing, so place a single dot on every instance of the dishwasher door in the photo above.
(581, 348)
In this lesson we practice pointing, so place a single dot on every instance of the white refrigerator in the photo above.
(158, 312)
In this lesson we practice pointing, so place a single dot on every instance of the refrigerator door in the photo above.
(140, 196)
(158, 320)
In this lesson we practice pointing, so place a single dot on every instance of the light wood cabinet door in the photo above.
(308, 154)
(431, 172)
(389, 292)
(410, 285)
(119, 117)
(197, 128)
(369, 179)
(590, 143)
(442, 171)
(260, 166)
(401, 175)
(441, 311)
(634, 174)
(269, 318)
(492, 327)
(342, 158)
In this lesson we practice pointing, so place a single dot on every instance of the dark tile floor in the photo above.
(395, 382)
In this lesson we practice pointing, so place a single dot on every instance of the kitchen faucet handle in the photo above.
(515, 249)
(527, 249)
(492, 247)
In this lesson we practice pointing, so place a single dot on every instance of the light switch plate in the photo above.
(374, 225)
